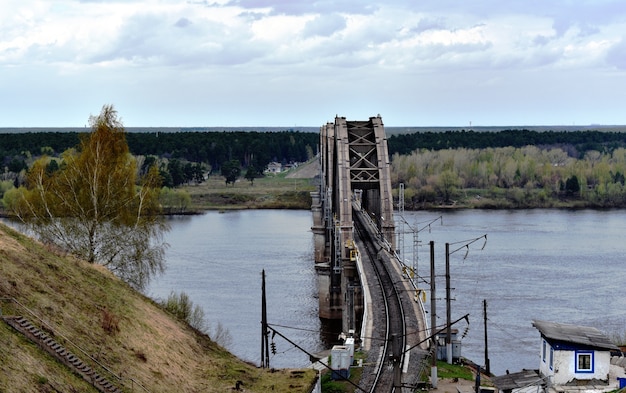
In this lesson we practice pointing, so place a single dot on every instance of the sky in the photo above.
(174, 63)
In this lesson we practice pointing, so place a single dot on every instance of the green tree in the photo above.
(16, 165)
(198, 173)
(447, 184)
(52, 166)
(251, 174)
(174, 201)
(572, 186)
(175, 169)
(231, 170)
(95, 206)
(5, 186)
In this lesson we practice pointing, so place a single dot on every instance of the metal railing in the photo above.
(56, 333)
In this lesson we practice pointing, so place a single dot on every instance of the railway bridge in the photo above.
(361, 282)
(354, 165)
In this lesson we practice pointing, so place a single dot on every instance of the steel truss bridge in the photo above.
(361, 281)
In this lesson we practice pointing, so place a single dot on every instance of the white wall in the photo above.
(564, 369)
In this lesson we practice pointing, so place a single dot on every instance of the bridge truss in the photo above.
(354, 168)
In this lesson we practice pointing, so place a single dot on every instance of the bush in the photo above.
(183, 308)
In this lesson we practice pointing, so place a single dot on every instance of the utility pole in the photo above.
(487, 369)
(448, 296)
(265, 355)
(433, 318)
(448, 308)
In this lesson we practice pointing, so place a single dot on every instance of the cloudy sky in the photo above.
(301, 62)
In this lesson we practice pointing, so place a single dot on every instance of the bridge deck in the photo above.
(373, 332)
(355, 171)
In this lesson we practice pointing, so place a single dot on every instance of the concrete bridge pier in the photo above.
(318, 228)
(328, 280)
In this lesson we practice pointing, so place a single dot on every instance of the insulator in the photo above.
(465, 331)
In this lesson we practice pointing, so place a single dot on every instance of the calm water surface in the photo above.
(217, 259)
(558, 265)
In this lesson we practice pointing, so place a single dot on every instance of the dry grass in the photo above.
(148, 345)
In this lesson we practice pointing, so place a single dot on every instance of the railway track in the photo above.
(387, 373)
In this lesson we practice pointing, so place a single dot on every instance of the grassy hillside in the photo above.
(150, 346)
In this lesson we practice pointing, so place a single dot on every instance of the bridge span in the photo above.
(361, 281)
(354, 163)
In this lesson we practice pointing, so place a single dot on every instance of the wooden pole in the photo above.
(433, 317)
(265, 356)
(448, 308)
(487, 369)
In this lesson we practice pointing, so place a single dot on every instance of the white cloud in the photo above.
(616, 55)
(324, 25)
(255, 54)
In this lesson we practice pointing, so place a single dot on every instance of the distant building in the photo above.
(277, 167)
(274, 167)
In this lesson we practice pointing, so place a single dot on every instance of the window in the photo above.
(584, 361)
(543, 352)
(551, 358)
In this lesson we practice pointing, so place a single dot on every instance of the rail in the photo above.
(395, 331)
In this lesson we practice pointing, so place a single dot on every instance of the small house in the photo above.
(573, 357)
(274, 167)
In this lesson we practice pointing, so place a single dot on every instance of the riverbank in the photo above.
(291, 190)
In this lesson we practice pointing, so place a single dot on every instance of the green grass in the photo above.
(445, 370)
(269, 192)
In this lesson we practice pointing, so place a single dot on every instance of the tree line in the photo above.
(521, 167)
(511, 177)
(575, 143)
(182, 155)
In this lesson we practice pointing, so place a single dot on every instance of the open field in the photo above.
(289, 190)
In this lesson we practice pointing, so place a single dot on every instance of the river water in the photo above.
(217, 259)
(557, 265)
(563, 266)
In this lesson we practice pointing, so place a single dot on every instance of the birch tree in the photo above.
(96, 206)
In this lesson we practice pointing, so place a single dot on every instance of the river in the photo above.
(217, 259)
(557, 265)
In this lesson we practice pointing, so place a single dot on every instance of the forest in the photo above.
(183, 157)
(499, 169)
(576, 143)
(510, 169)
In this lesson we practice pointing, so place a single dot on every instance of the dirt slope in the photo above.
(307, 170)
